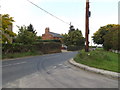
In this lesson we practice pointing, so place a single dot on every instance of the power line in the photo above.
(47, 12)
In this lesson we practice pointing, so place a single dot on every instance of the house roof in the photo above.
(55, 34)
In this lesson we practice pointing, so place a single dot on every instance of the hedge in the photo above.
(49, 41)
(44, 47)
(74, 48)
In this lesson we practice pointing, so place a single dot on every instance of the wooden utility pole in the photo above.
(87, 27)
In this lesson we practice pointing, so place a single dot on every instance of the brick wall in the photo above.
(47, 36)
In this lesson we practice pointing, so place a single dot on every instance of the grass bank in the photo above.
(99, 59)
(17, 55)
(25, 54)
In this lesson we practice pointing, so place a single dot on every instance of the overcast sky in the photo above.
(103, 12)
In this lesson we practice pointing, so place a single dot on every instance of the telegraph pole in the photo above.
(87, 27)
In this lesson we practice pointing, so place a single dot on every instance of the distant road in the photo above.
(51, 71)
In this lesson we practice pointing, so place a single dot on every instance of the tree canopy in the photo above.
(24, 36)
(71, 28)
(74, 37)
(6, 20)
(98, 35)
(30, 28)
(108, 36)
(112, 38)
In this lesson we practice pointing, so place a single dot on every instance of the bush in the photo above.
(92, 46)
(51, 47)
(44, 47)
(15, 48)
(59, 41)
(111, 39)
(74, 48)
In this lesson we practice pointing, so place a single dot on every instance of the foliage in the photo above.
(98, 35)
(48, 47)
(108, 36)
(39, 37)
(25, 36)
(16, 55)
(74, 38)
(71, 28)
(74, 48)
(6, 20)
(99, 59)
(30, 28)
(112, 39)
(59, 41)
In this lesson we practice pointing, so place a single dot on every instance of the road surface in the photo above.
(51, 71)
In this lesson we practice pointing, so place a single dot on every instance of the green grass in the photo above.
(99, 59)
(17, 55)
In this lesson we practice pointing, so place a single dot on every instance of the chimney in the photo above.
(47, 30)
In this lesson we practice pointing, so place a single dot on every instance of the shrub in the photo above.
(74, 48)
(111, 39)
(92, 46)
(44, 47)
(59, 41)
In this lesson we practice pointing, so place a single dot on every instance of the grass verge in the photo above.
(99, 59)
(17, 55)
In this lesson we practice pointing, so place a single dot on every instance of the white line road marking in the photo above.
(13, 64)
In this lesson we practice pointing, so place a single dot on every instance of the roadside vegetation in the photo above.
(99, 58)
(108, 36)
(21, 50)
(25, 42)
(74, 40)
(18, 55)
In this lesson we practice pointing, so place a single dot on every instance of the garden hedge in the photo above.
(44, 47)
(74, 48)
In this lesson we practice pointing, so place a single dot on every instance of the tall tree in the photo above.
(112, 38)
(6, 20)
(30, 28)
(74, 38)
(25, 36)
(98, 35)
(71, 28)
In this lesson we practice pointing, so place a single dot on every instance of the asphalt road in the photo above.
(51, 71)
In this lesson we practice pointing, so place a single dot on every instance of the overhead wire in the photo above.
(47, 12)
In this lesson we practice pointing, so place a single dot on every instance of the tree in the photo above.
(5, 21)
(25, 36)
(108, 41)
(74, 38)
(30, 28)
(112, 39)
(65, 39)
(39, 37)
(71, 28)
(98, 35)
